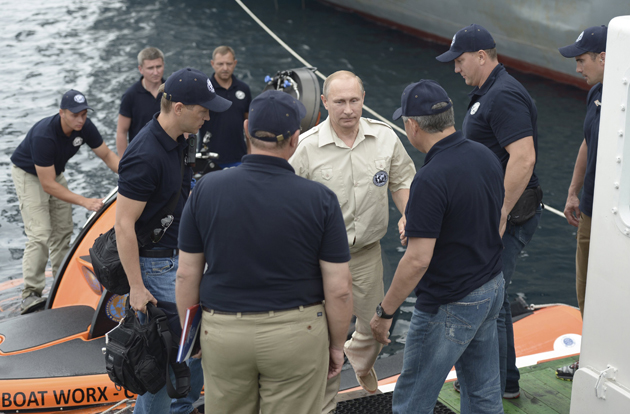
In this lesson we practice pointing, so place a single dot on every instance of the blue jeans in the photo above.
(515, 239)
(158, 276)
(464, 334)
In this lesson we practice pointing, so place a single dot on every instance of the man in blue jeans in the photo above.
(453, 262)
(151, 176)
(502, 116)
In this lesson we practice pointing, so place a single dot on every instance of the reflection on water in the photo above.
(49, 46)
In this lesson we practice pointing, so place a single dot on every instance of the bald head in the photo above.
(341, 75)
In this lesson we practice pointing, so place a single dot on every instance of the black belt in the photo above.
(159, 253)
(258, 313)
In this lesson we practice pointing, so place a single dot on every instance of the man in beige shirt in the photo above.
(359, 159)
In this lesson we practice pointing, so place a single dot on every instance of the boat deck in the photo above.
(541, 393)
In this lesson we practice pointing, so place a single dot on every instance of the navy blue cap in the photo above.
(592, 39)
(276, 112)
(74, 101)
(423, 98)
(469, 39)
(192, 87)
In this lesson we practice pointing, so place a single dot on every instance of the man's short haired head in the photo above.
(274, 116)
(341, 74)
(149, 53)
(470, 39)
(74, 101)
(223, 50)
(591, 40)
(428, 104)
(192, 87)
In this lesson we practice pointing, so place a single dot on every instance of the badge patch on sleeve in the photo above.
(380, 178)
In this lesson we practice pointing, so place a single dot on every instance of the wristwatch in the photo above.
(381, 313)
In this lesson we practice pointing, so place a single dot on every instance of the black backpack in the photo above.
(137, 356)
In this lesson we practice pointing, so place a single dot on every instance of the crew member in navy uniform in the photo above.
(150, 174)
(589, 51)
(502, 116)
(223, 133)
(265, 331)
(45, 200)
(452, 261)
(142, 99)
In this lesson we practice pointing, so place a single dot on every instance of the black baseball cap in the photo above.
(592, 39)
(423, 98)
(192, 87)
(469, 39)
(276, 112)
(74, 101)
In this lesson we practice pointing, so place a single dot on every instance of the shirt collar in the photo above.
(443, 144)
(218, 86)
(327, 134)
(266, 161)
(496, 72)
(162, 137)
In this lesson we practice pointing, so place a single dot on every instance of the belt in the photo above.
(239, 314)
(159, 253)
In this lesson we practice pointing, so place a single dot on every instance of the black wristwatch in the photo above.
(381, 313)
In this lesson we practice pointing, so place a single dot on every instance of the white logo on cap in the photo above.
(579, 37)
(77, 141)
(240, 94)
(210, 87)
(453, 42)
(474, 108)
(79, 98)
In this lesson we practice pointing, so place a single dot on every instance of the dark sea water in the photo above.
(48, 47)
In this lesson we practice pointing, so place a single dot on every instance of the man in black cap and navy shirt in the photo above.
(151, 176)
(589, 51)
(452, 262)
(502, 116)
(45, 200)
(275, 247)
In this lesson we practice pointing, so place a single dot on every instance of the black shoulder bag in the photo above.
(137, 356)
(104, 252)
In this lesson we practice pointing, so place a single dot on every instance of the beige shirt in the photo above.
(360, 176)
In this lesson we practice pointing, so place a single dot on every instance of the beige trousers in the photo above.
(274, 363)
(48, 227)
(581, 258)
(366, 267)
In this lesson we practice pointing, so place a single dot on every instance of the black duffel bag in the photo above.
(106, 263)
(137, 356)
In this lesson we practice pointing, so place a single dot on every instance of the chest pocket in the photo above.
(326, 174)
(381, 164)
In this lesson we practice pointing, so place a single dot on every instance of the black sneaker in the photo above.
(566, 373)
(507, 395)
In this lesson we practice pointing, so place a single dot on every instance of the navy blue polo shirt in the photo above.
(591, 135)
(226, 128)
(456, 198)
(139, 104)
(500, 113)
(262, 230)
(150, 171)
(46, 145)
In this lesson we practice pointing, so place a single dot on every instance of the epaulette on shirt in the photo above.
(308, 133)
(375, 121)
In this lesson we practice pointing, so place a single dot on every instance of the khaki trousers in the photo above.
(48, 227)
(366, 267)
(274, 363)
(581, 258)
